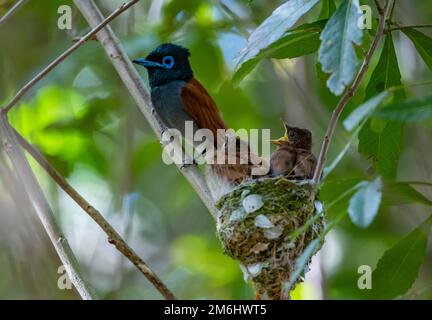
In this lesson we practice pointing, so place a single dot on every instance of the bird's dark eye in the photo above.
(291, 135)
(168, 62)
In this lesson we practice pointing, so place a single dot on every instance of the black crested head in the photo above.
(168, 62)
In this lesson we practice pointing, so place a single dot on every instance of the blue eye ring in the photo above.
(168, 62)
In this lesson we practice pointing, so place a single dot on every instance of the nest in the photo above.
(266, 225)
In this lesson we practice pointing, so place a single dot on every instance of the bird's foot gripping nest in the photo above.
(266, 225)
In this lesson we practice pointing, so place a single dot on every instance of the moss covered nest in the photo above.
(266, 225)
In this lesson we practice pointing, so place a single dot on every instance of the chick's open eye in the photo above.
(168, 62)
(291, 134)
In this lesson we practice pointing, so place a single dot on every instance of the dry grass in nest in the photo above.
(266, 225)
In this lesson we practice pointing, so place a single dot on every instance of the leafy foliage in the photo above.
(382, 141)
(403, 193)
(364, 110)
(383, 144)
(365, 203)
(295, 43)
(336, 194)
(302, 261)
(337, 54)
(410, 110)
(84, 122)
(274, 27)
(387, 73)
(327, 9)
(423, 44)
(399, 266)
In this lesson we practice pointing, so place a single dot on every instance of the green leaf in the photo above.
(422, 43)
(336, 53)
(274, 27)
(364, 110)
(337, 193)
(409, 110)
(387, 73)
(302, 262)
(398, 268)
(331, 190)
(383, 146)
(334, 164)
(295, 43)
(283, 48)
(327, 9)
(402, 193)
(365, 203)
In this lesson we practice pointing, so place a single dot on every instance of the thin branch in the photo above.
(11, 11)
(136, 88)
(410, 85)
(416, 26)
(392, 11)
(113, 237)
(378, 6)
(418, 183)
(42, 208)
(65, 54)
(349, 94)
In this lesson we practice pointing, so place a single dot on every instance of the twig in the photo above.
(42, 208)
(378, 6)
(392, 10)
(416, 26)
(136, 88)
(76, 39)
(410, 85)
(11, 11)
(65, 54)
(418, 183)
(113, 237)
(349, 94)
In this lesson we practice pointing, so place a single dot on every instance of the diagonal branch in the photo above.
(136, 88)
(11, 11)
(350, 93)
(113, 237)
(42, 208)
(65, 54)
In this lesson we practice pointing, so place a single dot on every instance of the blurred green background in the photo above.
(84, 120)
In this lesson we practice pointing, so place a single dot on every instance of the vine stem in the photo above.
(349, 93)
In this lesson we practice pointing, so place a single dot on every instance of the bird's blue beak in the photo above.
(147, 63)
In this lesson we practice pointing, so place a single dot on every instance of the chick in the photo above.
(293, 157)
